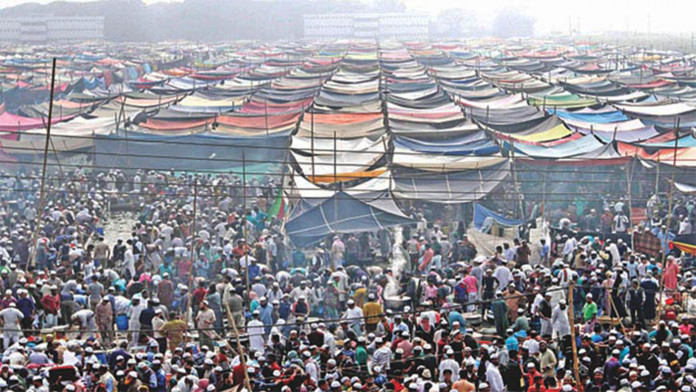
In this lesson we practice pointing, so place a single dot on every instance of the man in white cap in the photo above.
(495, 380)
(205, 321)
(354, 315)
(589, 310)
(257, 335)
(450, 363)
(11, 318)
(559, 320)
(84, 319)
(133, 313)
(104, 318)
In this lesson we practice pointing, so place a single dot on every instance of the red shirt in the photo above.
(51, 303)
(199, 295)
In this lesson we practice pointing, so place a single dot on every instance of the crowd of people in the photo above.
(205, 293)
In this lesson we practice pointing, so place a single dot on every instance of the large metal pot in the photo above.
(397, 303)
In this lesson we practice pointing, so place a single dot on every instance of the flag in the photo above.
(686, 248)
(278, 207)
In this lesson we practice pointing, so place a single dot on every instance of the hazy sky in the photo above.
(673, 16)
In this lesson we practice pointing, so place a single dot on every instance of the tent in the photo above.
(313, 219)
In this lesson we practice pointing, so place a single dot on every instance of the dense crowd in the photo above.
(224, 301)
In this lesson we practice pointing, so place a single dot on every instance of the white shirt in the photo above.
(684, 227)
(569, 246)
(354, 315)
(129, 261)
(531, 345)
(560, 322)
(312, 370)
(504, 276)
(11, 317)
(495, 380)
(256, 335)
(134, 315)
(245, 260)
(509, 254)
(451, 364)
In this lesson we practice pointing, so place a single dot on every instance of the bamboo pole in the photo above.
(244, 228)
(312, 146)
(32, 259)
(193, 249)
(571, 317)
(513, 166)
(629, 179)
(265, 115)
(669, 216)
(240, 349)
(336, 184)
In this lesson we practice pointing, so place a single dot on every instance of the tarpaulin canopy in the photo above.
(205, 151)
(481, 213)
(474, 144)
(672, 109)
(314, 219)
(602, 117)
(449, 188)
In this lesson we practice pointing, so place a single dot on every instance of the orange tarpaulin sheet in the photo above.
(341, 118)
(260, 121)
(343, 177)
(685, 156)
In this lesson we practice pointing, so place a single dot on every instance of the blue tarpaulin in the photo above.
(197, 152)
(595, 118)
(474, 144)
(312, 220)
(481, 213)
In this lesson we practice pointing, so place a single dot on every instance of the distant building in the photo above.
(394, 25)
(51, 29)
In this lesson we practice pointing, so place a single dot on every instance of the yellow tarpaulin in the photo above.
(558, 132)
(343, 177)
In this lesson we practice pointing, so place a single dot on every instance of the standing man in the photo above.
(205, 321)
(635, 298)
(559, 320)
(101, 253)
(133, 314)
(104, 317)
(11, 318)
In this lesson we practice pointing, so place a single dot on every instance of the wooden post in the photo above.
(240, 349)
(669, 214)
(571, 317)
(657, 177)
(244, 228)
(336, 184)
(312, 146)
(32, 259)
(629, 179)
(193, 249)
(513, 166)
(265, 114)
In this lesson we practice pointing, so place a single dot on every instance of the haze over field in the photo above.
(172, 19)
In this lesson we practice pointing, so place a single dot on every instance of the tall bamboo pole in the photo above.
(193, 248)
(629, 179)
(571, 317)
(240, 349)
(669, 216)
(42, 192)
(244, 228)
